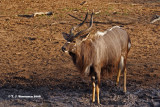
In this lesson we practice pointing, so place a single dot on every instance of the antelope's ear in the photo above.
(66, 36)
(84, 36)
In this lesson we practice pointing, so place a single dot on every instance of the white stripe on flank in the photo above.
(122, 62)
(129, 45)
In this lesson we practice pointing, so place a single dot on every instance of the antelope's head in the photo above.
(75, 39)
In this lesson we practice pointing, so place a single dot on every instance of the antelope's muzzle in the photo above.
(63, 49)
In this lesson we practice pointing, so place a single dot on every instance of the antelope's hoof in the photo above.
(117, 83)
(93, 101)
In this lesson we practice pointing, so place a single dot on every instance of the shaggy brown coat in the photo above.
(104, 51)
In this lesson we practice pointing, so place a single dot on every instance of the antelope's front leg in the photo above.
(97, 90)
(93, 88)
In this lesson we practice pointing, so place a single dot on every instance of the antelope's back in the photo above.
(111, 45)
(118, 38)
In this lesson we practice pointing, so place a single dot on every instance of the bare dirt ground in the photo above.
(32, 63)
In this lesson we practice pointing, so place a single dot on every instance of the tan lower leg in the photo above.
(118, 75)
(97, 90)
(125, 72)
(93, 91)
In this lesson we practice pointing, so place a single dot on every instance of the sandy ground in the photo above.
(32, 63)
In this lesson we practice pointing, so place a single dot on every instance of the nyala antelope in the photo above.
(98, 54)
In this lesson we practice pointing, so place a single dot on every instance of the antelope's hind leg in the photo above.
(120, 69)
(118, 76)
(125, 76)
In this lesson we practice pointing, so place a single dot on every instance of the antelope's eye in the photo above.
(74, 41)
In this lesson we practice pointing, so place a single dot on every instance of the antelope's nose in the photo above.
(63, 49)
